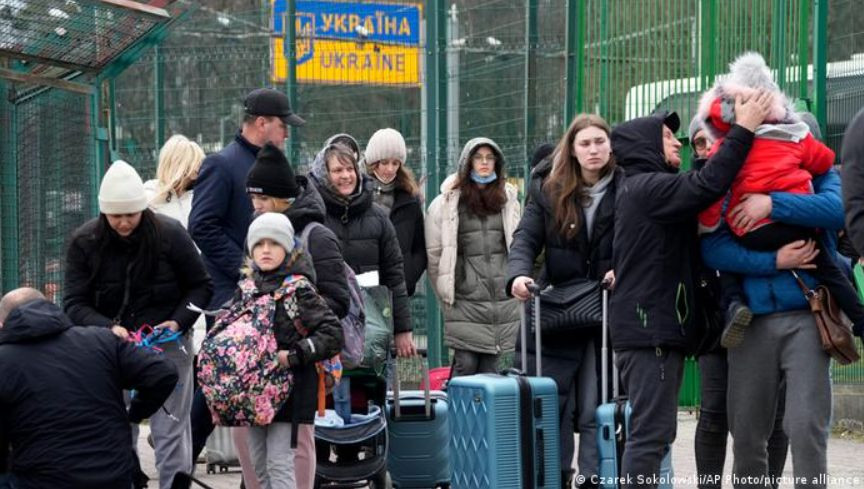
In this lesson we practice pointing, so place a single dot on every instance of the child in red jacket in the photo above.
(784, 158)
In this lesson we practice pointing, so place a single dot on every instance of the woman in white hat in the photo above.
(128, 268)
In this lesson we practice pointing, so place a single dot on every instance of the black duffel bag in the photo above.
(569, 306)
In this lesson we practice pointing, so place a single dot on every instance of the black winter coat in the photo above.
(852, 158)
(97, 280)
(324, 248)
(369, 243)
(221, 214)
(407, 218)
(61, 399)
(323, 337)
(656, 253)
(565, 260)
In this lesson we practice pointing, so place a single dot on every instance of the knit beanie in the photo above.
(272, 175)
(810, 119)
(695, 126)
(271, 225)
(121, 191)
(386, 144)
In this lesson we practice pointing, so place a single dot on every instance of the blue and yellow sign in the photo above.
(350, 42)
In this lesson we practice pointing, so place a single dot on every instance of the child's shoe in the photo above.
(738, 318)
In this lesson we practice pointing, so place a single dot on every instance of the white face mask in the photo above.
(383, 180)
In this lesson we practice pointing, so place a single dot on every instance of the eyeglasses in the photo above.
(700, 143)
(481, 158)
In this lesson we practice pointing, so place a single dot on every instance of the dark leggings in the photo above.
(774, 236)
(712, 430)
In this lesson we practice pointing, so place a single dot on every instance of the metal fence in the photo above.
(515, 71)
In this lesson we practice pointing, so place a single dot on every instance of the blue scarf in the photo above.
(476, 178)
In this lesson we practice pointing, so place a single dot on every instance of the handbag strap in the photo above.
(808, 292)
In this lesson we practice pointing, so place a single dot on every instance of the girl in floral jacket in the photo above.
(306, 331)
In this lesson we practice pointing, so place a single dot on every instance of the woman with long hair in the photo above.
(469, 230)
(570, 215)
(128, 268)
(394, 188)
(170, 193)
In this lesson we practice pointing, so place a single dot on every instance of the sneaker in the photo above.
(738, 319)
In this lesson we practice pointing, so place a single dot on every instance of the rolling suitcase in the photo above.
(419, 433)
(221, 454)
(504, 428)
(613, 420)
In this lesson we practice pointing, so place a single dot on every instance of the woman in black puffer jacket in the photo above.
(570, 214)
(367, 236)
(395, 189)
(130, 267)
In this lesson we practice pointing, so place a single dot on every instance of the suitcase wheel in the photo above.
(211, 468)
(223, 468)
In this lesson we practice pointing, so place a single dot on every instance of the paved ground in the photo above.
(845, 461)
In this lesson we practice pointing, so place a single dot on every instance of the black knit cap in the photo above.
(272, 175)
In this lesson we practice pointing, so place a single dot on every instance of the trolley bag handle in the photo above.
(523, 316)
(427, 396)
(604, 351)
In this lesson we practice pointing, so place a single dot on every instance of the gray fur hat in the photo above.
(747, 75)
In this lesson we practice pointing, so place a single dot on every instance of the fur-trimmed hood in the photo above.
(747, 75)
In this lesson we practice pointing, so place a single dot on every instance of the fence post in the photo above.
(436, 126)
(289, 25)
(159, 95)
(530, 99)
(574, 58)
(803, 51)
(9, 195)
(820, 61)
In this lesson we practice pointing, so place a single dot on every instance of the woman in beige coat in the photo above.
(469, 229)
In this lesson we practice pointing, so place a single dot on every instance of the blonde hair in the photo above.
(179, 161)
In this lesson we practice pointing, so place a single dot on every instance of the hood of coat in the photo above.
(472, 146)
(33, 321)
(318, 169)
(638, 144)
(308, 206)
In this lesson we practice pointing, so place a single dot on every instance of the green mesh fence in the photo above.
(48, 185)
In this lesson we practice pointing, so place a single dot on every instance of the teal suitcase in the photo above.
(419, 431)
(504, 428)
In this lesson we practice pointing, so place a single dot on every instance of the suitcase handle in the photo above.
(523, 315)
(606, 285)
(427, 396)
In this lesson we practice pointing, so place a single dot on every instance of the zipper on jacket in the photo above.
(490, 282)
(126, 293)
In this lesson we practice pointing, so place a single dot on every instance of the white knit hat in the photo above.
(121, 191)
(271, 225)
(386, 144)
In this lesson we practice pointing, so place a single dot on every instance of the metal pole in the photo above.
(433, 320)
(529, 84)
(778, 44)
(159, 96)
(452, 77)
(9, 196)
(290, 49)
(820, 61)
(574, 59)
(803, 51)
(708, 53)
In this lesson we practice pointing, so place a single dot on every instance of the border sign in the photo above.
(350, 42)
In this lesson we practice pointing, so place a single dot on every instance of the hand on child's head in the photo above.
(752, 111)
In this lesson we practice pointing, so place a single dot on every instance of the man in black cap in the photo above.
(655, 257)
(221, 211)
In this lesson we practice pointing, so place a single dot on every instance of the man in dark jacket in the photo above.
(852, 158)
(221, 211)
(61, 397)
(655, 253)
